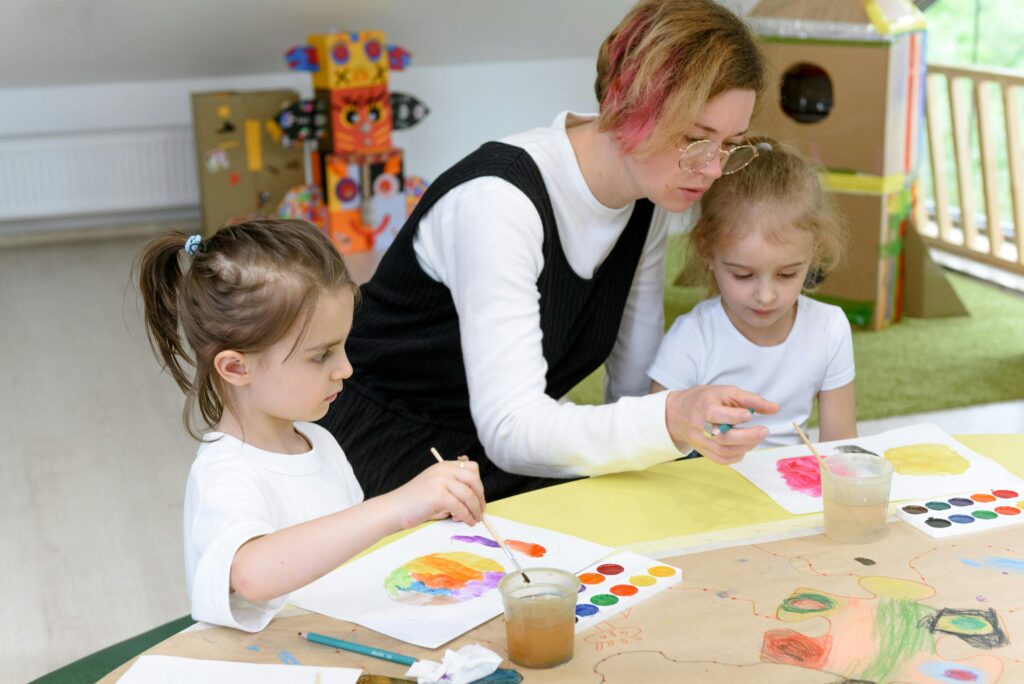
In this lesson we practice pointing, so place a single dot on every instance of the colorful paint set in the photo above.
(619, 582)
(968, 512)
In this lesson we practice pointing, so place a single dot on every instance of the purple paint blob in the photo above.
(961, 501)
(478, 587)
(475, 539)
(801, 474)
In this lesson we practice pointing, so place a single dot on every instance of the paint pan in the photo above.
(618, 582)
(972, 511)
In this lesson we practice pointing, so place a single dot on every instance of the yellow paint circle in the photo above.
(662, 571)
(926, 459)
(642, 580)
(1020, 504)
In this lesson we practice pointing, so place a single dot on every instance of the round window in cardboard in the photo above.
(806, 93)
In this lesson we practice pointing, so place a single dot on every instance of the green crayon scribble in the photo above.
(897, 638)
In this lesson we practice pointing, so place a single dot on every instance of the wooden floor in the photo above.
(94, 458)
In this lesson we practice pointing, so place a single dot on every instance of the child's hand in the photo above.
(452, 488)
(687, 411)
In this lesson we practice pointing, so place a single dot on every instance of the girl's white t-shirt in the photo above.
(236, 492)
(703, 347)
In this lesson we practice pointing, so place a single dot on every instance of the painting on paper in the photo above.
(441, 580)
(926, 462)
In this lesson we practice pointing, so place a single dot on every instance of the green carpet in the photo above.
(914, 366)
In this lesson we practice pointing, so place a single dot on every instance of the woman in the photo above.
(534, 260)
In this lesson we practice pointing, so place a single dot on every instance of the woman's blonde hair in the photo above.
(664, 61)
(780, 179)
(246, 287)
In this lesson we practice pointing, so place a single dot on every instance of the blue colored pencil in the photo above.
(357, 648)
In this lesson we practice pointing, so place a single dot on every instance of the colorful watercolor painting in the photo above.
(926, 463)
(439, 581)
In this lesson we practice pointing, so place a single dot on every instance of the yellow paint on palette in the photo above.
(896, 588)
(661, 571)
(642, 580)
(926, 459)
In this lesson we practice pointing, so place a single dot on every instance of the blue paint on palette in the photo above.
(963, 519)
(287, 658)
(586, 609)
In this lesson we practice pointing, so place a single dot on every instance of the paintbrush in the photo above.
(494, 533)
(821, 459)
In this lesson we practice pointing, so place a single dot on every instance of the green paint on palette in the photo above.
(985, 515)
(604, 600)
(938, 505)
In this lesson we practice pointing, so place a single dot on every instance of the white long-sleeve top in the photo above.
(483, 240)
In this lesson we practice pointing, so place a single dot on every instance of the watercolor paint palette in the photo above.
(973, 511)
(618, 582)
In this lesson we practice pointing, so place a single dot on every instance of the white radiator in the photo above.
(98, 173)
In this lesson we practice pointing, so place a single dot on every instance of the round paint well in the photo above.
(1004, 493)
(985, 515)
(962, 519)
(642, 580)
(586, 609)
(915, 510)
(610, 569)
(938, 523)
(661, 571)
(1007, 510)
(604, 600)
(591, 578)
(961, 501)
(938, 505)
(1020, 504)
(624, 590)
(983, 498)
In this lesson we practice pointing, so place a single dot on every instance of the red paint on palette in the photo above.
(1004, 493)
(615, 568)
(1007, 510)
(983, 498)
(623, 590)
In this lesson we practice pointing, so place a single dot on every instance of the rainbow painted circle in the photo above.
(442, 579)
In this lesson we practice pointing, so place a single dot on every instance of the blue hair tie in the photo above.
(193, 244)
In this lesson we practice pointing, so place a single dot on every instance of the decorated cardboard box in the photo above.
(244, 171)
(366, 201)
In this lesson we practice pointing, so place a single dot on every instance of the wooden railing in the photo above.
(961, 116)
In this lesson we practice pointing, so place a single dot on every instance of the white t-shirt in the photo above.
(236, 492)
(703, 347)
(483, 240)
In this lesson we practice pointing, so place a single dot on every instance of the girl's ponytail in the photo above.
(160, 276)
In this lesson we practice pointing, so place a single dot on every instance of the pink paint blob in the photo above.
(801, 474)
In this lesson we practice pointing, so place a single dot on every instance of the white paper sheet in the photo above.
(161, 669)
(799, 490)
(456, 591)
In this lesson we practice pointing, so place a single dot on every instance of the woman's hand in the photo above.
(451, 488)
(687, 412)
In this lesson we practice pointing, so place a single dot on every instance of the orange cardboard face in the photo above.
(360, 120)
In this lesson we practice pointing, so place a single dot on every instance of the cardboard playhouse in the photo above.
(328, 160)
(849, 81)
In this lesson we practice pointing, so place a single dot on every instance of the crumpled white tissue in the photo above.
(466, 665)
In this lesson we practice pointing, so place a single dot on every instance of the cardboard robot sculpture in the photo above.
(356, 191)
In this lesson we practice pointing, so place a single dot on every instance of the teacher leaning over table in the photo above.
(536, 259)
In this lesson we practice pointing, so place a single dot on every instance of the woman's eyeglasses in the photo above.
(700, 153)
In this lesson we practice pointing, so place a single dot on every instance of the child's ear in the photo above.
(232, 367)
